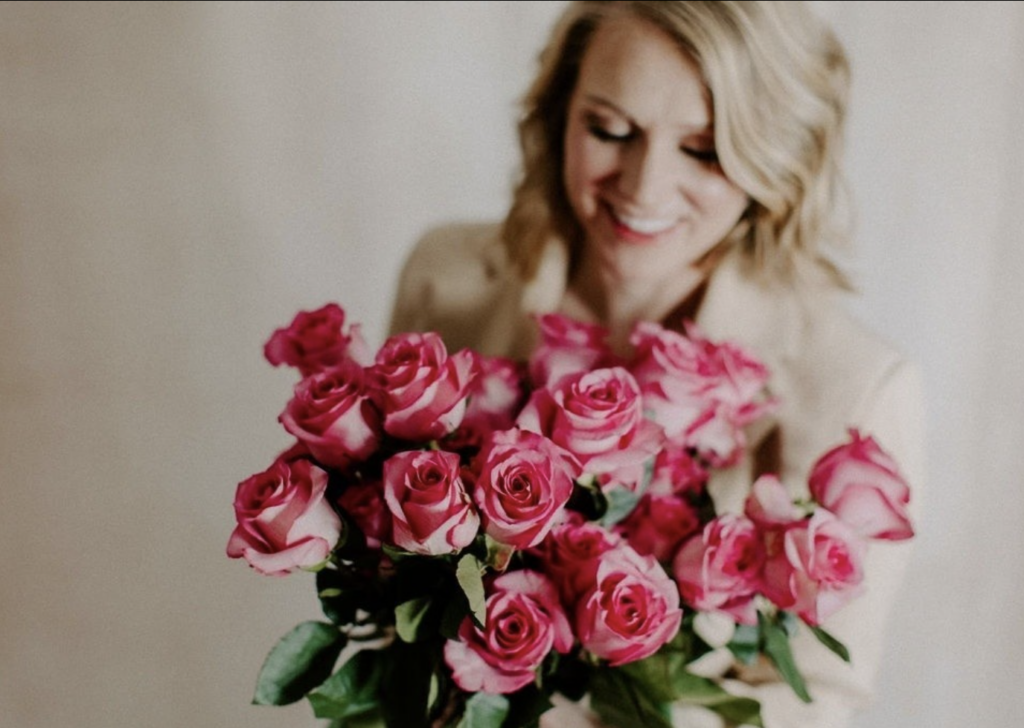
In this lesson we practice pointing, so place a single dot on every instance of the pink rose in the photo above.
(770, 505)
(430, 509)
(701, 392)
(570, 555)
(567, 347)
(524, 623)
(658, 524)
(333, 413)
(632, 610)
(364, 503)
(496, 396)
(597, 416)
(424, 389)
(814, 567)
(676, 472)
(284, 521)
(719, 569)
(862, 485)
(523, 483)
(316, 340)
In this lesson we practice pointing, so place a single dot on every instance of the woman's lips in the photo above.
(641, 229)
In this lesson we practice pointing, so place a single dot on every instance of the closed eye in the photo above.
(602, 134)
(707, 156)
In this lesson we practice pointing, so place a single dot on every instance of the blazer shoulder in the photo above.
(449, 273)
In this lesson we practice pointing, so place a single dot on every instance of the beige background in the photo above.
(177, 179)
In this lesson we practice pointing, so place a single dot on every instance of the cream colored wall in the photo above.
(177, 179)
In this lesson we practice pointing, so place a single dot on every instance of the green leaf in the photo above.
(776, 646)
(470, 576)
(621, 502)
(484, 710)
(352, 690)
(619, 700)
(299, 662)
(405, 686)
(409, 615)
(655, 673)
(831, 642)
(746, 643)
(696, 690)
(498, 554)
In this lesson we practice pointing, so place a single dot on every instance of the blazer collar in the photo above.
(737, 305)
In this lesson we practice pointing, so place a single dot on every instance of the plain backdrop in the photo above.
(178, 179)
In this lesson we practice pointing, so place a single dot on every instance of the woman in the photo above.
(681, 160)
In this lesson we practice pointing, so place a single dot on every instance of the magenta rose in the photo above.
(523, 481)
(431, 511)
(719, 569)
(524, 623)
(770, 506)
(316, 340)
(284, 521)
(862, 485)
(566, 347)
(814, 567)
(703, 393)
(658, 524)
(495, 398)
(677, 472)
(632, 610)
(571, 552)
(364, 503)
(424, 389)
(334, 414)
(597, 416)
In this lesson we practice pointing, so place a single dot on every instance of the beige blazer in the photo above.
(829, 372)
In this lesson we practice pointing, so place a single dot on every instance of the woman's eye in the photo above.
(602, 134)
(707, 156)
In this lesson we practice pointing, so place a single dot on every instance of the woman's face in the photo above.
(641, 171)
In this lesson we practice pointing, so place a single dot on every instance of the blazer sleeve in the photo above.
(893, 413)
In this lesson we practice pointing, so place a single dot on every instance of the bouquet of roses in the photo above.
(487, 532)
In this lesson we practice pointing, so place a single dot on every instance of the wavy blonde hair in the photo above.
(778, 80)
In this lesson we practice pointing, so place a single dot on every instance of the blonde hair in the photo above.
(778, 80)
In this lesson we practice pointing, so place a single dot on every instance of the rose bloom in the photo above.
(814, 567)
(596, 416)
(720, 568)
(522, 484)
(570, 555)
(524, 623)
(333, 413)
(364, 503)
(658, 524)
(430, 509)
(676, 472)
(424, 389)
(769, 505)
(566, 347)
(284, 521)
(316, 340)
(701, 392)
(862, 485)
(495, 397)
(632, 610)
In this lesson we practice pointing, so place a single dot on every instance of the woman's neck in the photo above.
(596, 296)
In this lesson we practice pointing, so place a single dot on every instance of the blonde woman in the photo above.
(682, 160)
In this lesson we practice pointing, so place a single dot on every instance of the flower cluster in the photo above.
(486, 532)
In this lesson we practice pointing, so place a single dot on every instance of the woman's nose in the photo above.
(648, 177)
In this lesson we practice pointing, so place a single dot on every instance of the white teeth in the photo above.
(645, 226)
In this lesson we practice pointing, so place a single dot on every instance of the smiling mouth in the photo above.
(642, 227)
